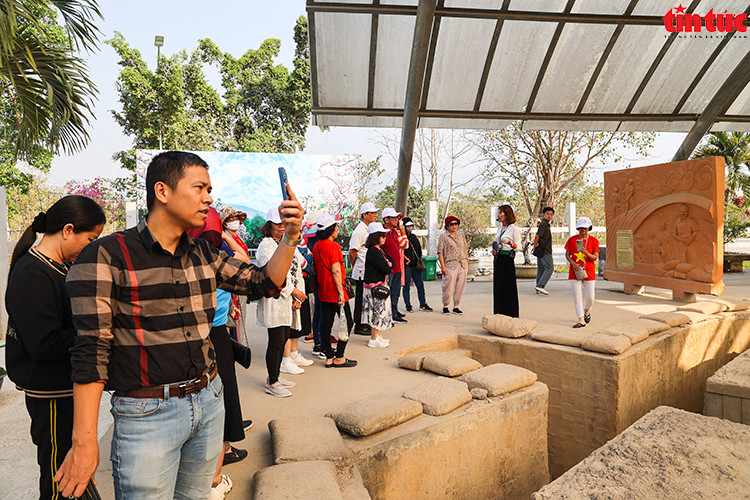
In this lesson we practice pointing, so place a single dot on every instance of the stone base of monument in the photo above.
(594, 396)
(667, 454)
(728, 391)
(682, 290)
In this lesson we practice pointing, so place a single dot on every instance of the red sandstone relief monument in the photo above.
(665, 226)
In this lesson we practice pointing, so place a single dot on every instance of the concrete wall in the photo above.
(494, 448)
(593, 397)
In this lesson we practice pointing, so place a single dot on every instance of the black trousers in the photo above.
(504, 288)
(277, 337)
(329, 310)
(359, 290)
(304, 315)
(51, 431)
(233, 430)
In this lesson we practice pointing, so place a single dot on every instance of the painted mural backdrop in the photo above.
(250, 182)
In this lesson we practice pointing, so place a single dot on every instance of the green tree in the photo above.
(261, 107)
(540, 165)
(253, 231)
(416, 202)
(45, 92)
(473, 212)
(735, 148)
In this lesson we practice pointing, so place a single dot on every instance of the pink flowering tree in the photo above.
(107, 193)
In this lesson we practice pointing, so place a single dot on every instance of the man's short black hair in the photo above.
(169, 167)
(548, 209)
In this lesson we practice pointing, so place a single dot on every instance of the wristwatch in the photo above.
(290, 242)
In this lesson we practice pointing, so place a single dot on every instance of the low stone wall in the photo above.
(593, 397)
(492, 448)
(667, 454)
(728, 391)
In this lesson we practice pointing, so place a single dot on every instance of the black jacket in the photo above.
(414, 252)
(40, 327)
(378, 265)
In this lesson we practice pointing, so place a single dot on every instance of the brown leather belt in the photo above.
(175, 391)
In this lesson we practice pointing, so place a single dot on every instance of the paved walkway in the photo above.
(321, 389)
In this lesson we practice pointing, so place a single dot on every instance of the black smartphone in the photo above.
(284, 180)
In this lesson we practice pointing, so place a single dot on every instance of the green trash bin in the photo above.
(430, 263)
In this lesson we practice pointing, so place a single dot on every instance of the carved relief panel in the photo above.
(665, 225)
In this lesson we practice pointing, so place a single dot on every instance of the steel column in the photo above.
(719, 105)
(417, 63)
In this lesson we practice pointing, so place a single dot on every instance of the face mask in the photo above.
(234, 225)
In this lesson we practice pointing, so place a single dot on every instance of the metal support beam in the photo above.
(719, 105)
(417, 63)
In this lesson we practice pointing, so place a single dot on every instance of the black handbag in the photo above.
(381, 292)
(91, 493)
(421, 266)
(241, 353)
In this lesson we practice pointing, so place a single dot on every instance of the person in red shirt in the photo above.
(330, 270)
(582, 251)
(395, 243)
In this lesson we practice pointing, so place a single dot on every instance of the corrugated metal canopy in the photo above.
(555, 64)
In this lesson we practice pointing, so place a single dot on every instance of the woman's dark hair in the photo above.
(510, 217)
(84, 213)
(373, 239)
(324, 234)
(267, 229)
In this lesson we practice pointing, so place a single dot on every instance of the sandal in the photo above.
(587, 318)
(348, 363)
(327, 365)
(579, 325)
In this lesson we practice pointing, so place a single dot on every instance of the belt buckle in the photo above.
(187, 388)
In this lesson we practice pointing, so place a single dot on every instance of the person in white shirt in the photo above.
(357, 252)
(504, 287)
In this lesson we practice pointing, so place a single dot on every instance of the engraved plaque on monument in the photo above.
(665, 226)
(625, 252)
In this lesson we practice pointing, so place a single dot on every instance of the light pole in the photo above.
(158, 42)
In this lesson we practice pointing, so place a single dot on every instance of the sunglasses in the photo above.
(453, 224)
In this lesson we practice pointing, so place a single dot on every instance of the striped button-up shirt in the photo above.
(143, 315)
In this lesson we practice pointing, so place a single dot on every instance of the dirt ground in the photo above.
(668, 454)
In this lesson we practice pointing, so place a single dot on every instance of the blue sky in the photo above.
(234, 26)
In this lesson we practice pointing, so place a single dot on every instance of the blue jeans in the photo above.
(394, 281)
(413, 274)
(167, 447)
(544, 268)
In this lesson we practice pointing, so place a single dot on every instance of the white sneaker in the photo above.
(300, 360)
(220, 490)
(541, 290)
(278, 390)
(378, 342)
(388, 341)
(286, 383)
(290, 368)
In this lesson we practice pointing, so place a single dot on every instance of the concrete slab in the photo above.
(667, 454)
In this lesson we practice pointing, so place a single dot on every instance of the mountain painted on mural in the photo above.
(250, 181)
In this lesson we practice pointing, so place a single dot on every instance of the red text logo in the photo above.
(676, 20)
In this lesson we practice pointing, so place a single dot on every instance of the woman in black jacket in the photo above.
(40, 326)
(378, 264)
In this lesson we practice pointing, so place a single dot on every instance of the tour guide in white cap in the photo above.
(357, 253)
(581, 251)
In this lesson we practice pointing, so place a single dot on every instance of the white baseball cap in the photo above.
(368, 207)
(376, 227)
(390, 212)
(273, 215)
(325, 221)
(583, 222)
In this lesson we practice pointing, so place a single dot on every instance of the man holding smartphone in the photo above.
(395, 243)
(143, 303)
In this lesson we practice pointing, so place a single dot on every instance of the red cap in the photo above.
(450, 219)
